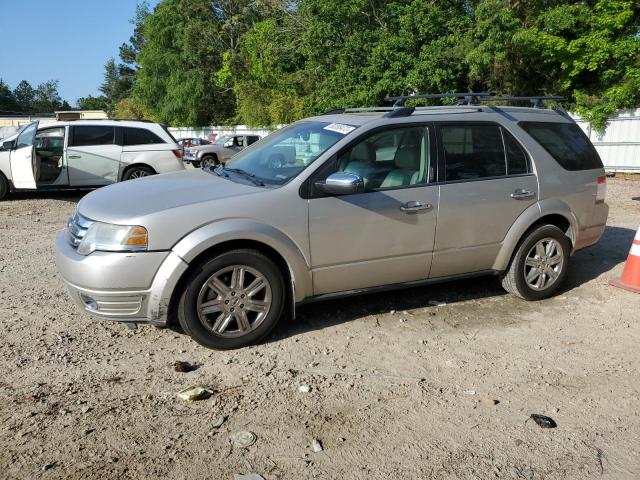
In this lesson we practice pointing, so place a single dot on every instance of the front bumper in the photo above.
(127, 287)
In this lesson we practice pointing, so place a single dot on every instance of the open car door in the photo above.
(23, 158)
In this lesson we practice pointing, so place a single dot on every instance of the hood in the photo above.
(209, 147)
(122, 202)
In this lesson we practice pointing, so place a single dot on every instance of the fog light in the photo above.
(89, 303)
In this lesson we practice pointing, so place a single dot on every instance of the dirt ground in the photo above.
(399, 387)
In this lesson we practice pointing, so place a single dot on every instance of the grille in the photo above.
(77, 227)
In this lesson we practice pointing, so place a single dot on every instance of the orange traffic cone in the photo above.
(630, 279)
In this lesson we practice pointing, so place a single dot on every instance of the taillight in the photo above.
(179, 153)
(601, 189)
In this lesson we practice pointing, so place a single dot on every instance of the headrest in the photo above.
(287, 152)
(408, 157)
(363, 152)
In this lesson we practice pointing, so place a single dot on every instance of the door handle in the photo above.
(74, 156)
(521, 194)
(414, 206)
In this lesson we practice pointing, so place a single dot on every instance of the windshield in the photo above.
(282, 155)
(222, 140)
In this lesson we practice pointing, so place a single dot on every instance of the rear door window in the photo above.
(139, 136)
(92, 135)
(566, 143)
(252, 139)
(472, 152)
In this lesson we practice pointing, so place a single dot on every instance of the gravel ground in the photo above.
(398, 387)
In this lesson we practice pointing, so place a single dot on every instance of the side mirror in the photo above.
(341, 183)
(8, 145)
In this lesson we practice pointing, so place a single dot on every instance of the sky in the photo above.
(64, 40)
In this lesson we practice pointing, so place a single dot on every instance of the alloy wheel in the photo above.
(544, 264)
(234, 301)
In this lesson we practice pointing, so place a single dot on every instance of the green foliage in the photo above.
(92, 103)
(8, 101)
(265, 62)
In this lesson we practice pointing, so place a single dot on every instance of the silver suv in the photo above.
(86, 153)
(219, 151)
(347, 202)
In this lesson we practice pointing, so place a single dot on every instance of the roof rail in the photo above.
(468, 98)
(106, 120)
(536, 101)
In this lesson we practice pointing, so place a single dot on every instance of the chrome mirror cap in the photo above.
(341, 183)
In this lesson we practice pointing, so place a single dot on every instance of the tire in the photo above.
(523, 278)
(138, 171)
(232, 311)
(5, 188)
(209, 161)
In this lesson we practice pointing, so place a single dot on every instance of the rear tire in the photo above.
(539, 264)
(235, 299)
(5, 188)
(209, 161)
(138, 171)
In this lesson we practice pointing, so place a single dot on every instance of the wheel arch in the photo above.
(134, 165)
(219, 237)
(552, 212)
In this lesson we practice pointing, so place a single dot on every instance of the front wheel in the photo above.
(209, 161)
(234, 300)
(539, 265)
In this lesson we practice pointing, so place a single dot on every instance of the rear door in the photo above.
(93, 158)
(486, 183)
(23, 158)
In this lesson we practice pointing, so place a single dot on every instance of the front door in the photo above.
(231, 147)
(488, 183)
(93, 158)
(23, 159)
(384, 235)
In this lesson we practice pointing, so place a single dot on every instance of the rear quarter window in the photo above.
(139, 136)
(566, 143)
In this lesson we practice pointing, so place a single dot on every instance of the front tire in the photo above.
(539, 265)
(209, 161)
(233, 300)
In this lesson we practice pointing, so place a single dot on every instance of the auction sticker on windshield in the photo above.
(340, 128)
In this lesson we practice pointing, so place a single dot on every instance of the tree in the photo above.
(25, 96)
(92, 103)
(46, 97)
(8, 101)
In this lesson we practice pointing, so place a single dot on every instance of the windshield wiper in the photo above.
(245, 174)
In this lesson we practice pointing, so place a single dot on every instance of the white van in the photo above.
(86, 153)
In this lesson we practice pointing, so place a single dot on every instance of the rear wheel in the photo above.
(539, 265)
(138, 171)
(209, 161)
(234, 300)
(4, 186)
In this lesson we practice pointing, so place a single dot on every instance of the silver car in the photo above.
(348, 202)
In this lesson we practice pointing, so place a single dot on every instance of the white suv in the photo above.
(86, 153)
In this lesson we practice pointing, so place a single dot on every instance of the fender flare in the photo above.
(540, 209)
(210, 235)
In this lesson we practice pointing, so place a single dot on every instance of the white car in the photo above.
(86, 153)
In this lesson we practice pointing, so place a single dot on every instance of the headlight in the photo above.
(113, 238)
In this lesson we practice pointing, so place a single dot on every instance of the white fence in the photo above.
(619, 144)
(204, 132)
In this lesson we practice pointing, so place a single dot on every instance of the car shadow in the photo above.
(71, 196)
(585, 265)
